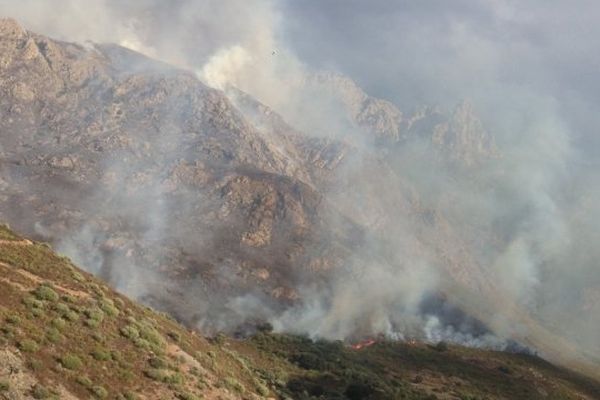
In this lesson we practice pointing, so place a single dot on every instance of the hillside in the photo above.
(65, 334)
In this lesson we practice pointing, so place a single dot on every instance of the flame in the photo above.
(363, 344)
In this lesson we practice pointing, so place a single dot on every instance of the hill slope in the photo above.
(64, 334)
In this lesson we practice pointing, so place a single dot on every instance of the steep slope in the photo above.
(64, 334)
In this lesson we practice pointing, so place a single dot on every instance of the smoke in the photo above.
(515, 223)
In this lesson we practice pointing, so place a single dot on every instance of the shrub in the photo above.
(157, 362)
(234, 385)
(130, 332)
(71, 316)
(101, 354)
(126, 396)
(99, 392)
(110, 309)
(40, 392)
(4, 386)
(61, 308)
(175, 336)
(59, 323)
(156, 374)
(187, 396)
(28, 346)
(45, 292)
(13, 319)
(37, 312)
(84, 381)
(32, 302)
(35, 365)
(53, 335)
(94, 315)
(71, 361)
(150, 334)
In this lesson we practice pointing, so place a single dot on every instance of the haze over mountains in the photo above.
(240, 185)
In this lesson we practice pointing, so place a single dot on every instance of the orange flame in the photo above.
(363, 344)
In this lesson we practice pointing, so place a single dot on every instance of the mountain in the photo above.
(212, 207)
(66, 335)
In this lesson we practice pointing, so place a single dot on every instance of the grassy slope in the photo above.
(64, 334)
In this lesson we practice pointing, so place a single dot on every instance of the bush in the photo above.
(32, 302)
(84, 381)
(187, 396)
(156, 374)
(28, 346)
(4, 386)
(40, 392)
(71, 316)
(71, 361)
(13, 319)
(109, 308)
(45, 292)
(150, 334)
(130, 332)
(53, 335)
(59, 323)
(99, 392)
(35, 365)
(101, 354)
(157, 362)
(175, 336)
(234, 385)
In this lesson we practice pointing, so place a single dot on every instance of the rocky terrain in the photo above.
(65, 335)
(210, 206)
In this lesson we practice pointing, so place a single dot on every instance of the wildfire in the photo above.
(363, 344)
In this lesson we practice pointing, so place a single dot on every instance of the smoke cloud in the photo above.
(528, 215)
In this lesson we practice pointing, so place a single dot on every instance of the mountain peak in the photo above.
(11, 29)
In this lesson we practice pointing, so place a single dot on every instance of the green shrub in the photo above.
(28, 346)
(175, 336)
(84, 381)
(127, 396)
(32, 302)
(187, 396)
(108, 307)
(53, 335)
(59, 323)
(101, 354)
(45, 292)
(4, 386)
(37, 312)
(35, 365)
(157, 362)
(61, 308)
(150, 334)
(234, 385)
(71, 315)
(130, 332)
(99, 392)
(156, 374)
(71, 361)
(40, 392)
(13, 319)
